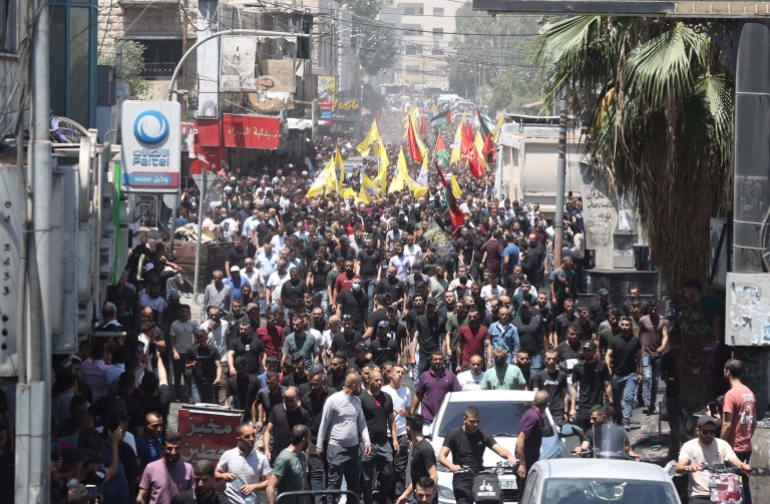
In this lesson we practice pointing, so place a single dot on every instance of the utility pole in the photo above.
(200, 233)
(33, 390)
(561, 174)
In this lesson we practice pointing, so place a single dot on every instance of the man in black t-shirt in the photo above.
(335, 380)
(237, 255)
(624, 360)
(369, 266)
(430, 332)
(354, 302)
(299, 376)
(204, 360)
(317, 274)
(467, 445)
(378, 412)
(248, 347)
(377, 316)
(243, 388)
(569, 350)
(293, 292)
(313, 402)
(593, 379)
(532, 339)
(554, 381)
(383, 348)
(282, 420)
(346, 340)
(391, 285)
(562, 323)
(422, 460)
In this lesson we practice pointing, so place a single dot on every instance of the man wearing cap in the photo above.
(598, 311)
(591, 376)
(431, 334)
(360, 359)
(705, 449)
(235, 282)
(383, 347)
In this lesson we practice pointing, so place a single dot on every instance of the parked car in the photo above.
(590, 481)
(501, 412)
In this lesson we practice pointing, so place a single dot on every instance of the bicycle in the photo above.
(65, 130)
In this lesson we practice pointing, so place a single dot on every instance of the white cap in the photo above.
(234, 269)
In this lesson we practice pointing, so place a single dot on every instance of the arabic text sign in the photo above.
(151, 146)
(207, 434)
(251, 132)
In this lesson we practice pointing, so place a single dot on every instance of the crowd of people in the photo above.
(323, 314)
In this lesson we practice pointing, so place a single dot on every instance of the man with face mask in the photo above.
(503, 376)
(244, 469)
(203, 471)
(353, 302)
(282, 420)
(165, 478)
(341, 426)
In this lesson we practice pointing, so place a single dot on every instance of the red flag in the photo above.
(441, 173)
(455, 214)
(422, 126)
(377, 117)
(414, 149)
(489, 146)
(469, 152)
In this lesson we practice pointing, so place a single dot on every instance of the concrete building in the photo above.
(427, 29)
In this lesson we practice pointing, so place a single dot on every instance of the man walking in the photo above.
(165, 478)
(283, 418)
(530, 438)
(290, 466)
(740, 418)
(423, 459)
(624, 361)
(402, 400)
(314, 402)
(244, 469)
(653, 331)
(592, 377)
(378, 412)
(503, 376)
(554, 381)
(341, 425)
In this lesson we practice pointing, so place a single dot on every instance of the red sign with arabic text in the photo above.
(207, 434)
(251, 132)
(209, 132)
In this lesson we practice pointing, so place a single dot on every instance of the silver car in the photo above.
(594, 481)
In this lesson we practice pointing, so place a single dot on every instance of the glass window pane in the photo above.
(58, 60)
(79, 63)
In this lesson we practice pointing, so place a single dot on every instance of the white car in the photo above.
(593, 481)
(501, 411)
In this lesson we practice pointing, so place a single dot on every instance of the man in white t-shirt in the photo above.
(492, 291)
(705, 449)
(402, 399)
(471, 379)
(244, 469)
(275, 283)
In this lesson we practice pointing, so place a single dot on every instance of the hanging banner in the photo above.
(207, 67)
(238, 64)
(327, 87)
(251, 132)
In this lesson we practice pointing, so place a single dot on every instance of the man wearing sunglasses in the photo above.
(705, 449)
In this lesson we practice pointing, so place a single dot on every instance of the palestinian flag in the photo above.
(486, 125)
(442, 156)
(455, 214)
(441, 119)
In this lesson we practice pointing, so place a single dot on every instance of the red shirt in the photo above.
(343, 283)
(740, 401)
(272, 339)
(473, 341)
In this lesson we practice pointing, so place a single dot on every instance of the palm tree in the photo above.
(659, 105)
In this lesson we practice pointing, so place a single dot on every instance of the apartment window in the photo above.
(438, 11)
(161, 57)
(411, 30)
(8, 35)
(208, 10)
(438, 32)
(437, 49)
(414, 10)
(413, 49)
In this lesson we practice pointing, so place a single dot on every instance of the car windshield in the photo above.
(497, 418)
(594, 491)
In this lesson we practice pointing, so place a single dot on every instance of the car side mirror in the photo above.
(568, 430)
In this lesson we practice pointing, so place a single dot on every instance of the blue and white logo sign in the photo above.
(151, 146)
(151, 127)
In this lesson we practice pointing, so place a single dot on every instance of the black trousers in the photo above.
(400, 461)
(745, 457)
(462, 486)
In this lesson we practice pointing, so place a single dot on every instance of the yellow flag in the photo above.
(347, 192)
(498, 129)
(456, 191)
(414, 116)
(382, 179)
(366, 143)
(340, 166)
(382, 153)
(362, 195)
(479, 142)
(368, 186)
(402, 174)
(318, 185)
(456, 153)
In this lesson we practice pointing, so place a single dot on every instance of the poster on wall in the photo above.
(327, 87)
(207, 63)
(238, 63)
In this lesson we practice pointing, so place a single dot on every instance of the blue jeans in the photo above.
(368, 285)
(535, 364)
(651, 370)
(202, 393)
(624, 391)
(321, 299)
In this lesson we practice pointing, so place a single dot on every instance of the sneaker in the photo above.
(627, 424)
(646, 411)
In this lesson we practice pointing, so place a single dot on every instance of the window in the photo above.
(161, 57)
(413, 49)
(8, 35)
(438, 32)
(414, 10)
(438, 11)
(437, 49)
(208, 10)
(411, 30)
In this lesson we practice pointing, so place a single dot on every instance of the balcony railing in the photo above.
(153, 71)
